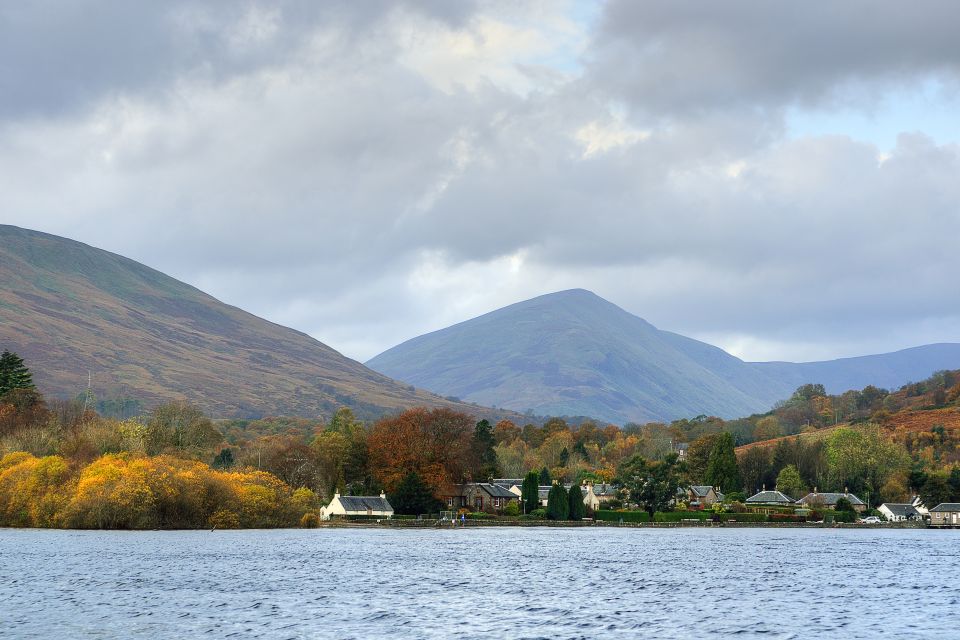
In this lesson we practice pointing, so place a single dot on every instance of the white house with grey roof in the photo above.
(899, 512)
(345, 506)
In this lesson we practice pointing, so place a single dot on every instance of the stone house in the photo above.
(829, 500)
(945, 514)
(703, 496)
(478, 496)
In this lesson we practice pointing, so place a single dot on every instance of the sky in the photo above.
(779, 179)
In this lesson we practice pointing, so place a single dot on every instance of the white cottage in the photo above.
(343, 506)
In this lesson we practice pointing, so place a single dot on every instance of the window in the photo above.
(450, 502)
(496, 502)
(479, 502)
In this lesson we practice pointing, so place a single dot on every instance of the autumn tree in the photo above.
(435, 444)
(181, 426)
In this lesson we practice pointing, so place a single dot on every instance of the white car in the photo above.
(871, 520)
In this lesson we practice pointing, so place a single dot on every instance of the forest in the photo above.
(65, 465)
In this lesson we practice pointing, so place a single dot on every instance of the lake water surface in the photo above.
(484, 582)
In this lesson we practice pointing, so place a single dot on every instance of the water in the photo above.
(489, 582)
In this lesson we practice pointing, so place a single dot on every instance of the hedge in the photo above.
(677, 516)
(744, 517)
(607, 515)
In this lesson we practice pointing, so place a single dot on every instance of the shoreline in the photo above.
(427, 524)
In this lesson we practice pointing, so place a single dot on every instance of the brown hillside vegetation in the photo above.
(70, 309)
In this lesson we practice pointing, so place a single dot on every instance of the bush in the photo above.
(539, 514)
(224, 519)
(512, 508)
(607, 515)
(677, 516)
(744, 517)
(310, 521)
(480, 515)
(786, 517)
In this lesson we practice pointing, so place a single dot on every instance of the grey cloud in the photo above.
(318, 181)
(674, 57)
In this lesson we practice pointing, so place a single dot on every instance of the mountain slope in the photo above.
(70, 309)
(574, 353)
(570, 353)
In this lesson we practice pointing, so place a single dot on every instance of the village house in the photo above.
(945, 514)
(899, 512)
(477, 496)
(702, 496)
(829, 500)
(346, 506)
(770, 498)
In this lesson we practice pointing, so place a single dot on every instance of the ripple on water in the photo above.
(491, 582)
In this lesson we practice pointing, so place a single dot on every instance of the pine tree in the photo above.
(13, 373)
(576, 509)
(558, 507)
(413, 497)
(545, 480)
(486, 456)
(531, 492)
(722, 470)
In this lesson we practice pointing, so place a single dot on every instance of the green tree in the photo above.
(530, 492)
(652, 484)
(545, 479)
(935, 490)
(483, 448)
(698, 456)
(954, 481)
(790, 482)
(558, 506)
(13, 373)
(223, 460)
(413, 497)
(863, 459)
(843, 504)
(722, 470)
(576, 509)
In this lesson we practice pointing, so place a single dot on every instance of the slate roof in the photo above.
(902, 510)
(364, 503)
(829, 498)
(604, 489)
(701, 490)
(495, 490)
(770, 497)
(946, 506)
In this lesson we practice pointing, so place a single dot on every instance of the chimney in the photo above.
(383, 495)
(336, 494)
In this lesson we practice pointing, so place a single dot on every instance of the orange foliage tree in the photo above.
(435, 444)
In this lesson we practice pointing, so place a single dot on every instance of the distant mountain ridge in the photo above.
(574, 353)
(70, 309)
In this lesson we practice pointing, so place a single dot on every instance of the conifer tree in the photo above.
(530, 491)
(13, 373)
(545, 480)
(722, 469)
(413, 497)
(576, 509)
(558, 507)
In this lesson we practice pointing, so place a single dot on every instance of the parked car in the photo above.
(870, 520)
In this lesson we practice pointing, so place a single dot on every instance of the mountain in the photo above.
(70, 309)
(574, 353)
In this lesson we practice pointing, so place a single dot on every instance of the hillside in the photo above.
(70, 309)
(574, 353)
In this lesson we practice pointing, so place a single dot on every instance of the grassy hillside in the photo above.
(569, 353)
(574, 353)
(70, 309)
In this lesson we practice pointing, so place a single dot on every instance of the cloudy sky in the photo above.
(781, 179)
